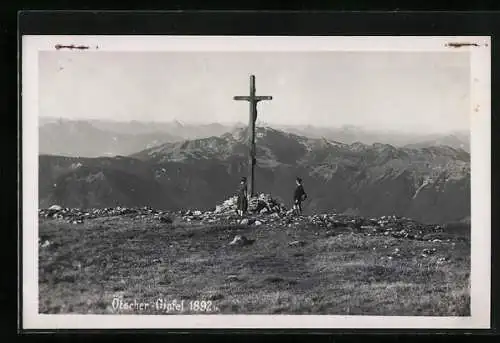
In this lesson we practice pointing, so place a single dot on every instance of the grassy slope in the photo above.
(333, 273)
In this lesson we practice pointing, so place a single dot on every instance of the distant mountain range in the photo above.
(80, 138)
(352, 134)
(93, 138)
(428, 183)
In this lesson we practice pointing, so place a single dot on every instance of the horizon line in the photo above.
(183, 122)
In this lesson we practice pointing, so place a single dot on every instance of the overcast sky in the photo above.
(406, 91)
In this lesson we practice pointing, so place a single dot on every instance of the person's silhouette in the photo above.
(298, 197)
(242, 197)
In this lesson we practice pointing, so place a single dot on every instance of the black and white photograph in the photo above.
(291, 181)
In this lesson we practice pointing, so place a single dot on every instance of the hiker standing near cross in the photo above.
(253, 100)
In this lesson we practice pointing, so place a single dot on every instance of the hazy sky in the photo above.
(424, 91)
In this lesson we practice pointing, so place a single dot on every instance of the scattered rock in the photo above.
(45, 244)
(395, 253)
(241, 240)
(233, 278)
(75, 214)
(166, 220)
(442, 260)
(264, 209)
(215, 297)
(428, 252)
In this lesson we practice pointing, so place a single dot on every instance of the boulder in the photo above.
(297, 243)
(241, 240)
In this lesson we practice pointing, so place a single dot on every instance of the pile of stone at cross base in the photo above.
(261, 206)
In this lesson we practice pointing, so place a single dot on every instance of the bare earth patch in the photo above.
(88, 268)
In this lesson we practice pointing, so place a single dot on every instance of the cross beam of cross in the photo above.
(253, 100)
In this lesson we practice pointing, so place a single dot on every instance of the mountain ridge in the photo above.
(428, 184)
(93, 138)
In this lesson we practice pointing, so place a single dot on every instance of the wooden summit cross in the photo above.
(253, 100)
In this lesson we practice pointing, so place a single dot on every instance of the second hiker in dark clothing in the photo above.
(242, 197)
(298, 196)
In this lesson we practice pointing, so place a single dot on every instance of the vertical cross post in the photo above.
(252, 100)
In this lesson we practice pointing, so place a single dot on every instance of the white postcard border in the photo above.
(480, 178)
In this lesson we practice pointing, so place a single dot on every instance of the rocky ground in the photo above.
(323, 263)
(265, 210)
